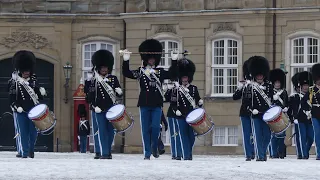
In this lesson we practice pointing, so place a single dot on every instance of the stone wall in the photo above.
(117, 6)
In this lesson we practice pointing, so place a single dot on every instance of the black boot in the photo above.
(18, 155)
(31, 154)
(248, 159)
(98, 155)
(178, 158)
(147, 158)
(155, 154)
(162, 151)
(109, 156)
(173, 158)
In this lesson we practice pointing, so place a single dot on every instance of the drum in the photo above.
(43, 119)
(200, 122)
(119, 118)
(276, 120)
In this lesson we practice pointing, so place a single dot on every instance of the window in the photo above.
(304, 53)
(168, 46)
(225, 59)
(87, 52)
(225, 136)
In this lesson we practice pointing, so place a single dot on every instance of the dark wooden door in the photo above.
(45, 75)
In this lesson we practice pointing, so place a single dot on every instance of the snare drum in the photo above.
(43, 119)
(199, 121)
(119, 118)
(276, 120)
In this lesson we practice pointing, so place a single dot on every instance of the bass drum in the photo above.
(200, 121)
(119, 118)
(43, 119)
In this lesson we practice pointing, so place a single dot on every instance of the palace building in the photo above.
(219, 34)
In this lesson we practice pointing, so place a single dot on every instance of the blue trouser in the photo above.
(28, 133)
(277, 147)
(94, 132)
(105, 134)
(305, 138)
(17, 131)
(83, 144)
(187, 138)
(150, 118)
(316, 129)
(297, 138)
(174, 137)
(246, 133)
(262, 135)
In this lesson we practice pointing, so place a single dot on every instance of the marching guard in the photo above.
(280, 98)
(88, 88)
(303, 118)
(25, 93)
(262, 94)
(104, 88)
(294, 106)
(151, 95)
(311, 106)
(188, 99)
(242, 92)
(171, 96)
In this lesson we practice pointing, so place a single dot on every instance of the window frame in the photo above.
(226, 136)
(209, 82)
(305, 65)
(166, 41)
(98, 45)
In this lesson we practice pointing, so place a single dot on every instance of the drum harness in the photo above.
(108, 89)
(30, 91)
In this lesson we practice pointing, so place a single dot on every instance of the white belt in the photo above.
(316, 105)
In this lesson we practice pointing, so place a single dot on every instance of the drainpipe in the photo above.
(274, 37)
(123, 139)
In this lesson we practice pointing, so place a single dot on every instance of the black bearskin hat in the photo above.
(104, 58)
(278, 75)
(245, 70)
(186, 68)
(315, 71)
(82, 110)
(24, 61)
(151, 45)
(295, 80)
(259, 65)
(305, 77)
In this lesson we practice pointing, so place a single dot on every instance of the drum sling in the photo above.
(188, 96)
(30, 91)
(108, 88)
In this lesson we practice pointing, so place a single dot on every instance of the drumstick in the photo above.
(16, 135)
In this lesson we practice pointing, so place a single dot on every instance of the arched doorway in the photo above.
(45, 75)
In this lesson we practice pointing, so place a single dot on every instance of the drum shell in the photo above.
(122, 123)
(45, 122)
(279, 126)
(203, 125)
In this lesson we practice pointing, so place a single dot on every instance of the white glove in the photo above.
(152, 71)
(14, 76)
(176, 84)
(240, 86)
(79, 138)
(255, 112)
(174, 55)
(262, 87)
(200, 102)
(178, 113)
(295, 121)
(13, 110)
(308, 113)
(118, 91)
(126, 55)
(285, 110)
(97, 110)
(165, 88)
(275, 97)
(248, 81)
(186, 89)
(43, 91)
(19, 110)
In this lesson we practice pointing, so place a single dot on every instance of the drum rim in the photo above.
(117, 116)
(197, 119)
(278, 113)
(41, 114)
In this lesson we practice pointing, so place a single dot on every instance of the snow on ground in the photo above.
(65, 166)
